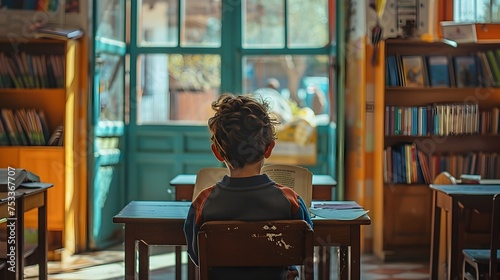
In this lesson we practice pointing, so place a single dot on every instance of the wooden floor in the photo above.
(108, 265)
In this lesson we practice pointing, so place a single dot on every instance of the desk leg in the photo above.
(455, 248)
(143, 260)
(355, 254)
(42, 240)
(20, 239)
(344, 263)
(435, 236)
(129, 252)
(192, 270)
(178, 262)
(323, 272)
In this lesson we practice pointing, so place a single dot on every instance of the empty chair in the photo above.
(261, 244)
(483, 263)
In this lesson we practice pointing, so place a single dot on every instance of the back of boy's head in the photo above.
(241, 129)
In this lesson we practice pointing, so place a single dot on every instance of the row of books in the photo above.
(404, 163)
(27, 127)
(22, 70)
(474, 70)
(441, 119)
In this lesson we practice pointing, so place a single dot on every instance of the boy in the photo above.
(242, 135)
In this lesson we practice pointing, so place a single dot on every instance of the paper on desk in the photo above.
(338, 214)
(336, 205)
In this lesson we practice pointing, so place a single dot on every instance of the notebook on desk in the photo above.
(13, 178)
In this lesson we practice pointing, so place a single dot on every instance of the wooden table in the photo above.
(25, 200)
(323, 186)
(162, 222)
(451, 198)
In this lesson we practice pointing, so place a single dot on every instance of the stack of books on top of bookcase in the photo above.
(481, 69)
(23, 70)
(26, 127)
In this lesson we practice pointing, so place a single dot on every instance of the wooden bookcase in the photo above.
(62, 105)
(402, 227)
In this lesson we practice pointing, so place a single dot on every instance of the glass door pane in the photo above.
(108, 115)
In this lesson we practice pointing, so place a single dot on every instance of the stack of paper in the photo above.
(337, 210)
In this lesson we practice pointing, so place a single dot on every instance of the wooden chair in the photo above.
(256, 244)
(443, 178)
(483, 263)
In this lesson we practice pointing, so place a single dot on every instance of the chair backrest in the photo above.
(444, 178)
(495, 235)
(256, 244)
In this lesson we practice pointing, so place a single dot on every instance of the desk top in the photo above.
(149, 211)
(468, 190)
(190, 179)
(153, 210)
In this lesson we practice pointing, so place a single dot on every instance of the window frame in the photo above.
(231, 50)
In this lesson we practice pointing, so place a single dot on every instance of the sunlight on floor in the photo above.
(109, 265)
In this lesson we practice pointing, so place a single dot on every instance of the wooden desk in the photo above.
(451, 198)
(27, 199)
(184, 185)
(162, 222)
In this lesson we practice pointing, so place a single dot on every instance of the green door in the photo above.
(107, 166)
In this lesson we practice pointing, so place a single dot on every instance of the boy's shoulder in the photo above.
(287, 191)
(202, 196)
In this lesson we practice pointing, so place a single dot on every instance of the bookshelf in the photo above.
(61, 102)
(456, 130)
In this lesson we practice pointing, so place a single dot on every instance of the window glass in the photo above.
(158, 22)
(111, 20)
(307, 23)
(302, 80)
(476, 10)
(176, 87)
(263, 24)
(201, 23)
(111, 87)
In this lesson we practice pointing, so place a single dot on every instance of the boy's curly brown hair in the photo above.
(241, 129)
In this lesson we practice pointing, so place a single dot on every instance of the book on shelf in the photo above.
(58, 31)
(486, 78)
(24, 70)
(57, 137)
(13, 178)
(296, 177)
(441, 119)
(10, 125)
(23, 127)
(392, 71)
(439, 70)
(466, 71)
(493, 63)
(405, 163)
(413, 70)
(4, 139)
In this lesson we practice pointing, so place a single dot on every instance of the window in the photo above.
(185, 53)
(476, 10)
